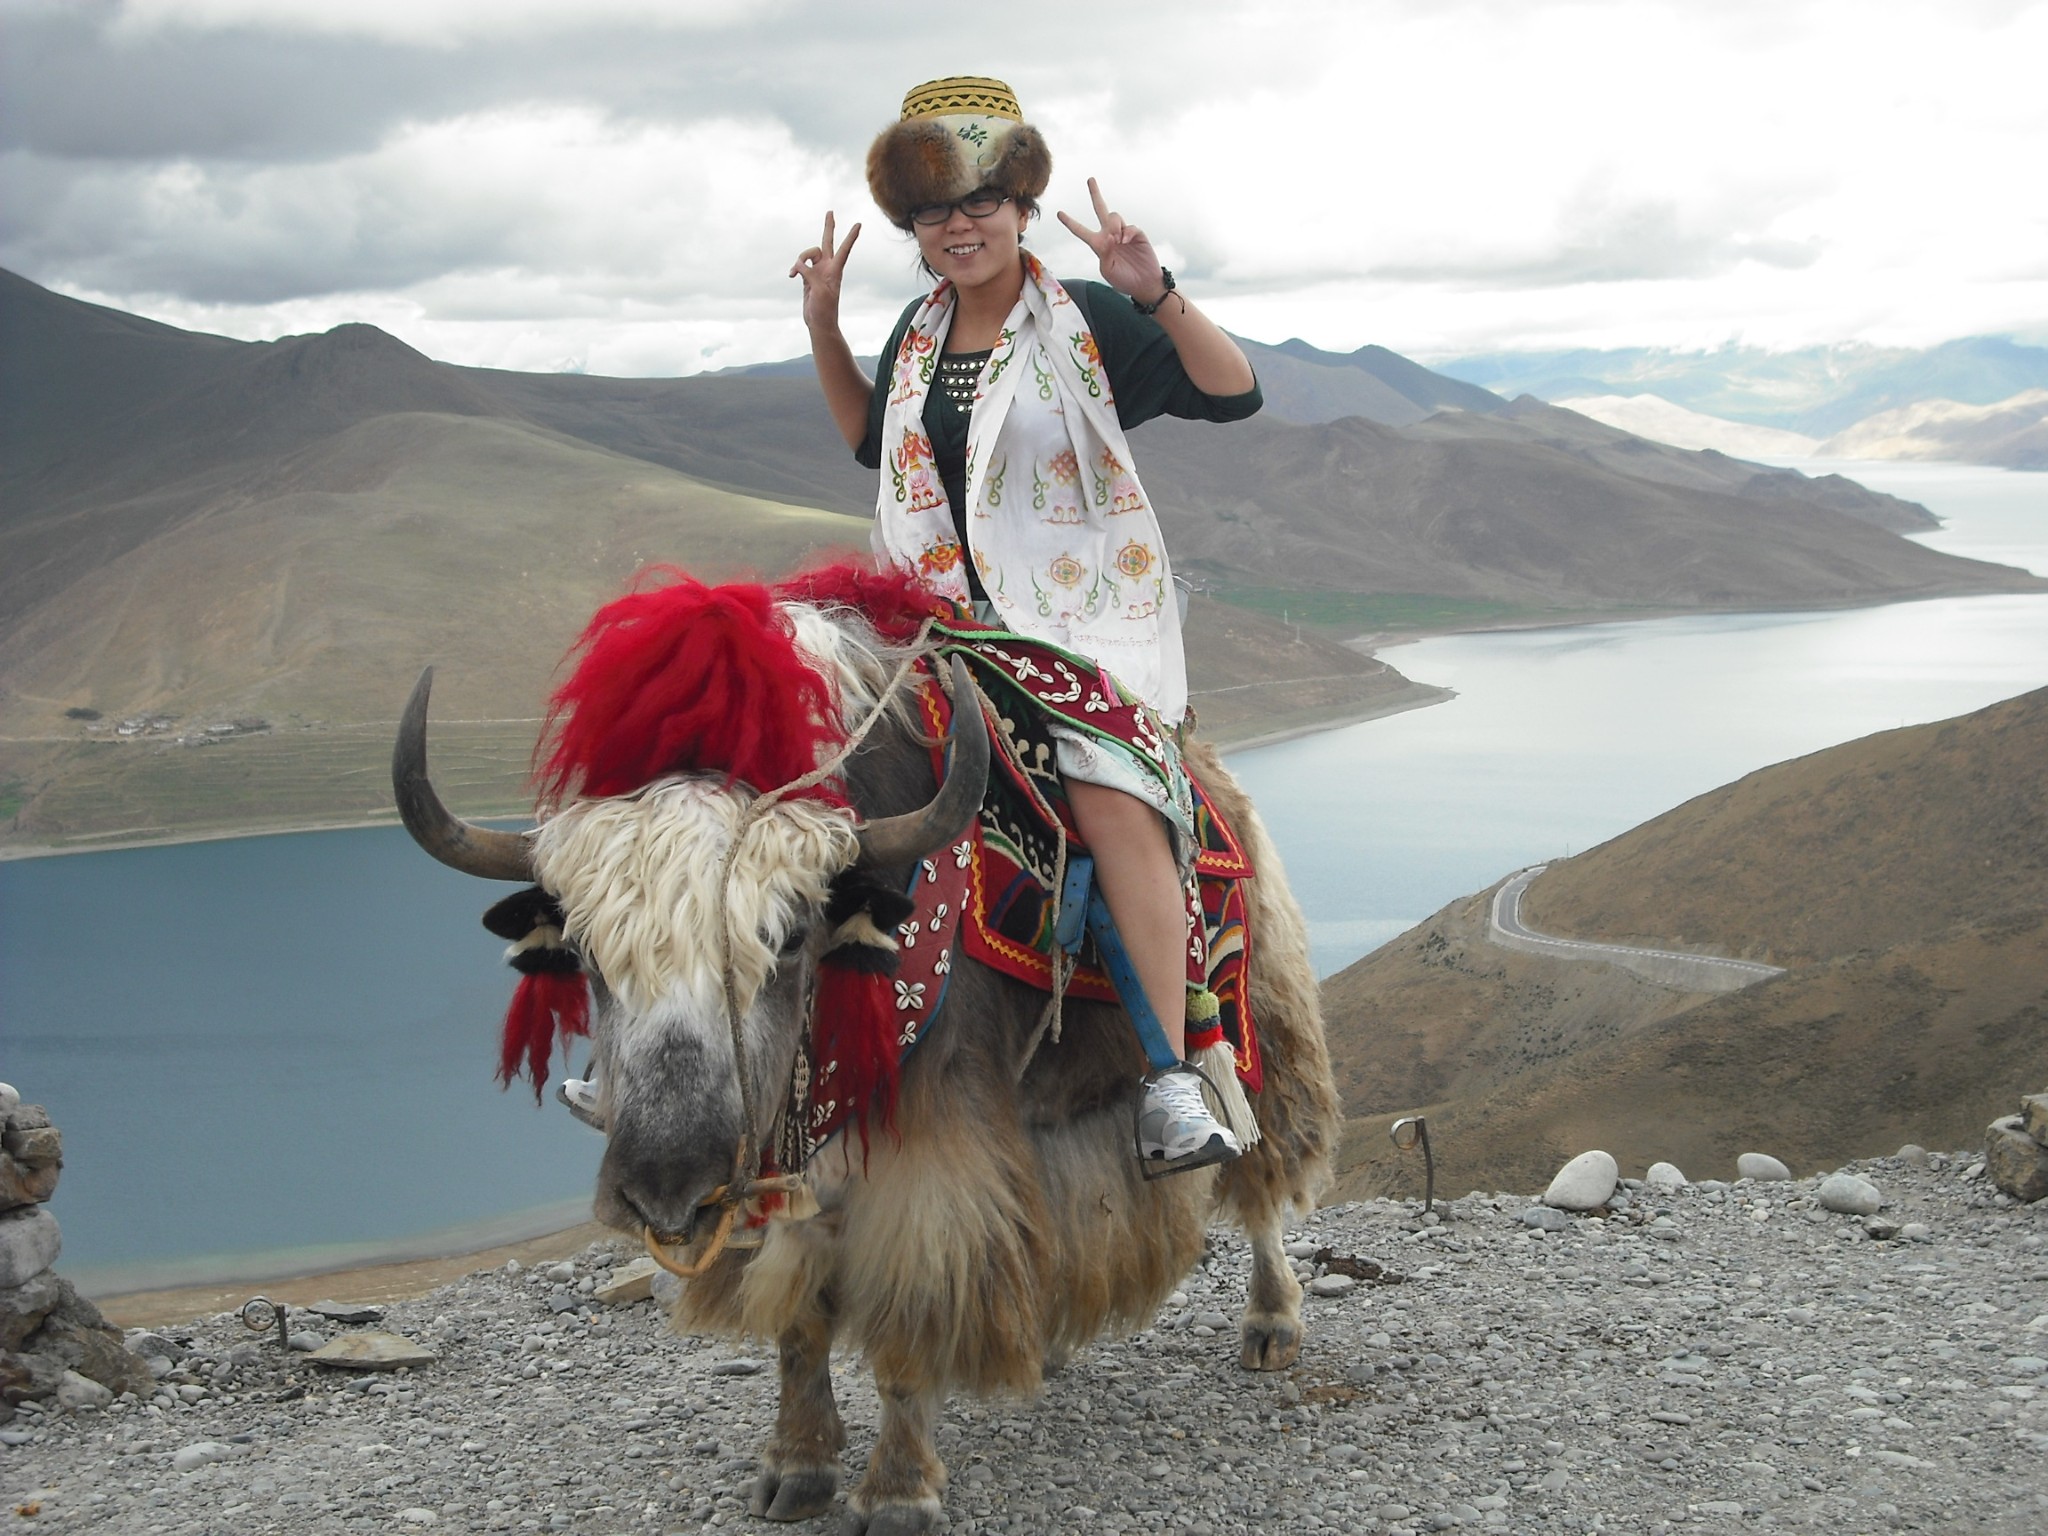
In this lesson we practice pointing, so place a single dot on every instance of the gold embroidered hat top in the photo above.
(961, 95)
(956, 136)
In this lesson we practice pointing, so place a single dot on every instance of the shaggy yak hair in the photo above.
(1001, 1219)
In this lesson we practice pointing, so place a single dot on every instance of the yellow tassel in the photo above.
(1228, 1102)
(801, 1204)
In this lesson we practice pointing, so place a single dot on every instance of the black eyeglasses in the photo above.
(976, 205)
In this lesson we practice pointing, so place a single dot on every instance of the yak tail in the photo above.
(1225, 1093)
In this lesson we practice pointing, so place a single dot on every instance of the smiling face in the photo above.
(975, 252)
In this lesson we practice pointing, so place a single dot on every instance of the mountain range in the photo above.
(197, 532)
(1978, 400)
(1902, 882)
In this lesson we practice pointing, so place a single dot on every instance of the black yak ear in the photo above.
(523, 911)
(531, 921)
(863, 914)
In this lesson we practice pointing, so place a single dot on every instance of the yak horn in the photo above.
(459, 844)
(899, 839)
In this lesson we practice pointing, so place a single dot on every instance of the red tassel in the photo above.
(855, 1026)
(893, 602)
(546, 1007)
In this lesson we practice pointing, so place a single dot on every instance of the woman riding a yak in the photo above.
(997, 421)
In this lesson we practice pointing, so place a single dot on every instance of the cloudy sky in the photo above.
(621, 185)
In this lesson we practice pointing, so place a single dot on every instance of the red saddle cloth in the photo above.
(1009, 908)
(992, 894)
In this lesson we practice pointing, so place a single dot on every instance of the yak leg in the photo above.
(800, 1467)
(1271, 1329)
(900, 1494)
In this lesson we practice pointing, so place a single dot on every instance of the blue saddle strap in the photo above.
(1081, 902)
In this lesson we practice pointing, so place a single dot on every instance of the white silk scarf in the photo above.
(1063, 537)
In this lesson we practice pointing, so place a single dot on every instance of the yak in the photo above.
(993, 1217)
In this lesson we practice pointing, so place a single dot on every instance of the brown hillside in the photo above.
(1453, 507)
(1441, 1014)
(1902, 877)
(1863, 846)
(1927, 1042)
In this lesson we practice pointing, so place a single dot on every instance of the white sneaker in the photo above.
(1176, 1131)
(579, 1096)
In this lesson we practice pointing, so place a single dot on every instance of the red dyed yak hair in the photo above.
(547, 1007)
(892, 601)
(680, 677)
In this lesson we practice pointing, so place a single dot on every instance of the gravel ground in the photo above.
(1719, 1358)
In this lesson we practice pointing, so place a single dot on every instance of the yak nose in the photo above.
(665, 1187)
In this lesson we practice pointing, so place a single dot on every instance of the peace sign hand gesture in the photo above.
(821, 268)
(1128, 262)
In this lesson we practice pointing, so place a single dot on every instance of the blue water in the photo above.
(268, 1044)
(272, 1046)
(1562, 738)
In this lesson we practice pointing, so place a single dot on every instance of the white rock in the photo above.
(1664, 1176)
(1544, 1218)
(10, 1100)
(1584, 1183)
(1761, 1167)
(197, 1455)
(629, 1283)
(77, 1392)
(1912, 1153)
(1332, 1285)
(372, 1351)
(1850, 1195)
(29, 1244)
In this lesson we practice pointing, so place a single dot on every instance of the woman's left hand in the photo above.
(1128, 262)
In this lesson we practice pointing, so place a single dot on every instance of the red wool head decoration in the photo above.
(892, 601)
(680, 677)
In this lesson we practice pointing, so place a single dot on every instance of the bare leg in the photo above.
(1134, 865)
(800, 1467)
(900, 1494)
(1271, 1329)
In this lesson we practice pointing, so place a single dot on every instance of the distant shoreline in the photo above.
(120, 843)
(1414, 696)
(1418, 695)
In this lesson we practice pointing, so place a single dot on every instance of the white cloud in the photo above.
(1437, 177)
(430, 22)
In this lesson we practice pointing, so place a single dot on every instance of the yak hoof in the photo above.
(1272, 1341)
(918, 1519)
(794, 1493)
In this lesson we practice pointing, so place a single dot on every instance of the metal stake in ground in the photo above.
(1407, 1135)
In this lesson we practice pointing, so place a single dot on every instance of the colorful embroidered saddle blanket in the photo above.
(993, 894)
(1010, 904)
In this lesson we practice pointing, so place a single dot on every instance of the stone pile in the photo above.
(2016, 1150)
(54, 1344)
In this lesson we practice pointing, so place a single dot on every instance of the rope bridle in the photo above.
(746, 1183)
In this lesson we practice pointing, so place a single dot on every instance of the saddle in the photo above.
(1010, 892)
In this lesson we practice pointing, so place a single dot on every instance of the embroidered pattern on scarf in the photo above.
(1064, 538)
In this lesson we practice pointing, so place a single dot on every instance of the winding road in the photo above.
(1666, 967)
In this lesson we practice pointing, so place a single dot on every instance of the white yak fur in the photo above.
(639, 880)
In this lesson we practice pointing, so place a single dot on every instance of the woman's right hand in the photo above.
(821, 268)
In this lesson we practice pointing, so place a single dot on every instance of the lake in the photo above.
(272, 1053)
(1563, 738)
